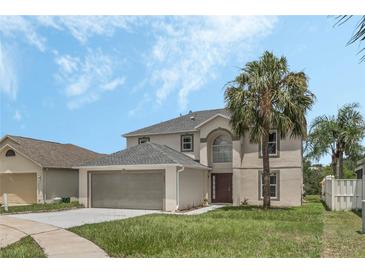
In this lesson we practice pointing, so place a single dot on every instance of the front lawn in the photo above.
(342, 235)
(25, 248)
(227, 232)
(40, 208)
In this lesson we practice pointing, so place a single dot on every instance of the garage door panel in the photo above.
(21, 188)
(139, 190)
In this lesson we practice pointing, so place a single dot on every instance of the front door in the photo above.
(222, 188)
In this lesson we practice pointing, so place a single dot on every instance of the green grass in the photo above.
(228, 232)
(25, 248)
(40, 207)
(342, 235)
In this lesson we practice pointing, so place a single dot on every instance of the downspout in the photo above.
(178, 186)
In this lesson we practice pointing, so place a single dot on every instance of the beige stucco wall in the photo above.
(290, 154)
(216, 123)
(83, 193)
(193, 187)
(247, 186)
(170, 140)
(61, 183)
(170, 188)
(21, 164)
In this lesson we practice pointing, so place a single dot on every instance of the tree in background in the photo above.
(359, 34)
(267, 95)
(340, 136)
(313, 174)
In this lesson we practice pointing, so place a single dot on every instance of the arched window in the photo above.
(10, 153)
(222, 149)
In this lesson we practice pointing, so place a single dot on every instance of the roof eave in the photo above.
(159, 133)
(138, 167)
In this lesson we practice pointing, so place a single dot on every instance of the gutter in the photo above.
(178, 186)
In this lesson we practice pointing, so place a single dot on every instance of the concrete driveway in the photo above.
(77, 217)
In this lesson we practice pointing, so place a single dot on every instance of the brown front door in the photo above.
(222, 187)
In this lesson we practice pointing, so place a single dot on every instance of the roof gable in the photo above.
(211, 119)
(49, 154)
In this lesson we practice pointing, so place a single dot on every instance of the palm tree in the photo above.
(337, 136)
(359, 34)
(267, 95)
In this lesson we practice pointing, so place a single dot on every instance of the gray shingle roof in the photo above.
(179, 124)
(145, 154)
(51, 154)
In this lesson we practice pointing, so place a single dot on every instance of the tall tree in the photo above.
(338, 136)
(267, 95)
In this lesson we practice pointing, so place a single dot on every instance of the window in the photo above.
(10, 153)
(187, 143)
(222, 149)
(274, 185)
(273, 143)
(142, 140)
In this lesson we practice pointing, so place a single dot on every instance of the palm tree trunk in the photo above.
(266, 170)
(340, 165)
(334, 164)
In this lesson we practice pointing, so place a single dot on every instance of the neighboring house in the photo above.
(360, 169)
(34, 171)
(193, 158)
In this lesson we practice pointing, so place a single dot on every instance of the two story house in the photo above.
(194, 158)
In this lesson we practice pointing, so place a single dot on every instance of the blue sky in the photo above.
(87, 80)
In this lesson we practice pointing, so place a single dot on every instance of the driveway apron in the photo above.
(55, 242)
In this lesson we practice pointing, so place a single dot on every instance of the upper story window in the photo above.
(10, 153)
(187, 143)
(142, 140)
(273, 143)
(222, 149)
(274, 185)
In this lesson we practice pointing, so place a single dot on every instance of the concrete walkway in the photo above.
(201, 210)
(55, 242)
(77, 217)
(9, 235)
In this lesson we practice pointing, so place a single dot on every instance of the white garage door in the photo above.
(134, 190)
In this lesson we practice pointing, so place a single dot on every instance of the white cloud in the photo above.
(17, 116)
(113, 84)
(84, 27)
(80, 27)
(8, 79)
(188, 50)
(12, 25)
(85, 79)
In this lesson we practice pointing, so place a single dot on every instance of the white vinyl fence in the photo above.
(343, 194)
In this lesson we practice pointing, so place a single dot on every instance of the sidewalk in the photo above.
(55, 242)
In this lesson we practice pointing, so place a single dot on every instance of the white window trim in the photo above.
(276, 142)
(191, 142)
(276, 185)
(231, 145)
